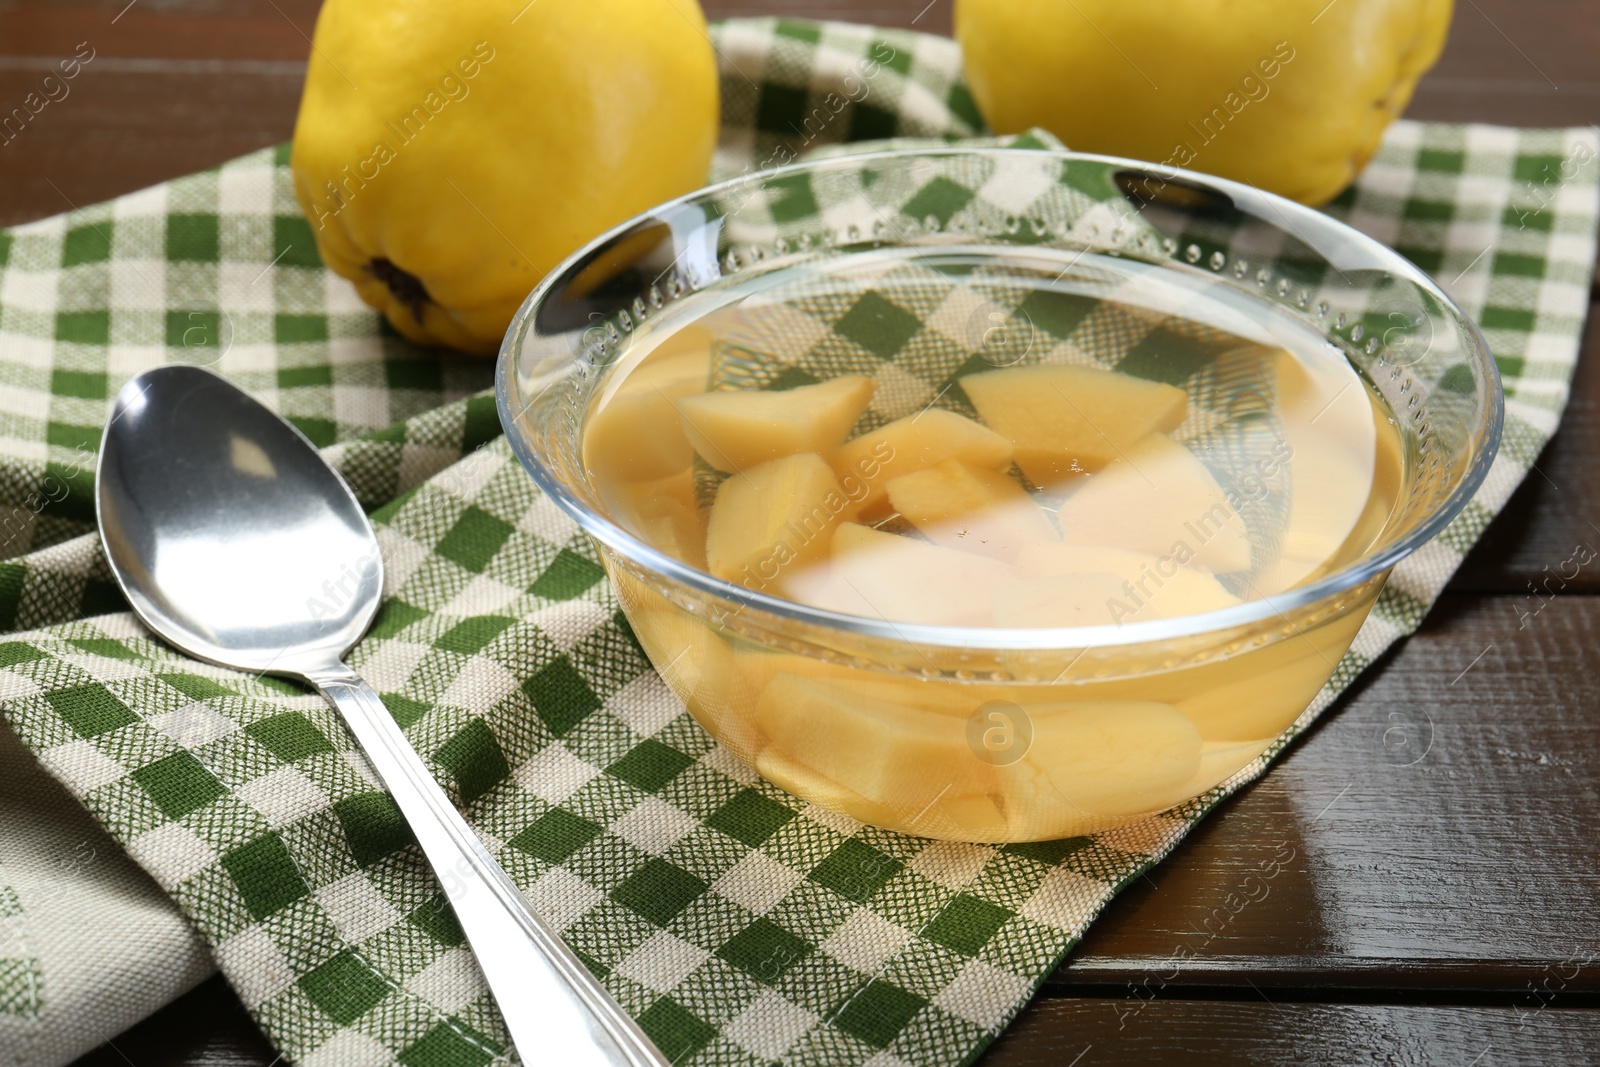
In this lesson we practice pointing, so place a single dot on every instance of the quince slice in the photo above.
(1221, 760)
(971, 509)
(800, 780)
(974, 817)
(758, 667)
(678, 365)
(635, 435)
(736, 429)
(663, 514)
(775, 516)
(1059, 600)
(914, 443)
(1259, 696)
(1094, 585)
(693, 658)
(1064, 421)
(885, 576)
(1335, 451)
(1160, 499)
(887, 753)
(1113, 758)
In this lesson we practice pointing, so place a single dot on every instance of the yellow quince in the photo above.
(449, 155)
(1288, 96)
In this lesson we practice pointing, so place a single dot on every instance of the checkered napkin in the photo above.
(739, 925)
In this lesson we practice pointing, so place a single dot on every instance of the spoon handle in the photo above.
(557, 1012)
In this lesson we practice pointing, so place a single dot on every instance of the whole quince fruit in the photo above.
(1289, 96)
(449, 154)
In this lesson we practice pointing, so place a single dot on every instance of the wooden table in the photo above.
(1441, 904)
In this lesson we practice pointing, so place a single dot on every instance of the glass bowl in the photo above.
(982, 733)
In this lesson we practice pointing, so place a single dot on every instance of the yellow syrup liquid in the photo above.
(1027, 442)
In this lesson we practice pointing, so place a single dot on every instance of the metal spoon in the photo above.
(235, 542)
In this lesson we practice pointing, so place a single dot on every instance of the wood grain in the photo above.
(1093, 1033)
(161, 29)
(1440, 825)
(207, 1028)
(1516, 63)
(129, 123)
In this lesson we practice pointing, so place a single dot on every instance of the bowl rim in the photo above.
(1035, 639)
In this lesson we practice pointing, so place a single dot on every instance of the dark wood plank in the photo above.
(160, 29)
(1090, 1033)
(173, 87)
(262, 29)
(1438, 830)
(1518, 63)
(130, 123)
(208, 1028)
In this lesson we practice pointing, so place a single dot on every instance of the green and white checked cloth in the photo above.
(739, 925)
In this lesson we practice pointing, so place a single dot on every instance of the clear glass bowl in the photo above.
(987, 734)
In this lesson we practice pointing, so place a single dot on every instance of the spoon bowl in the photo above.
(238, 542)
